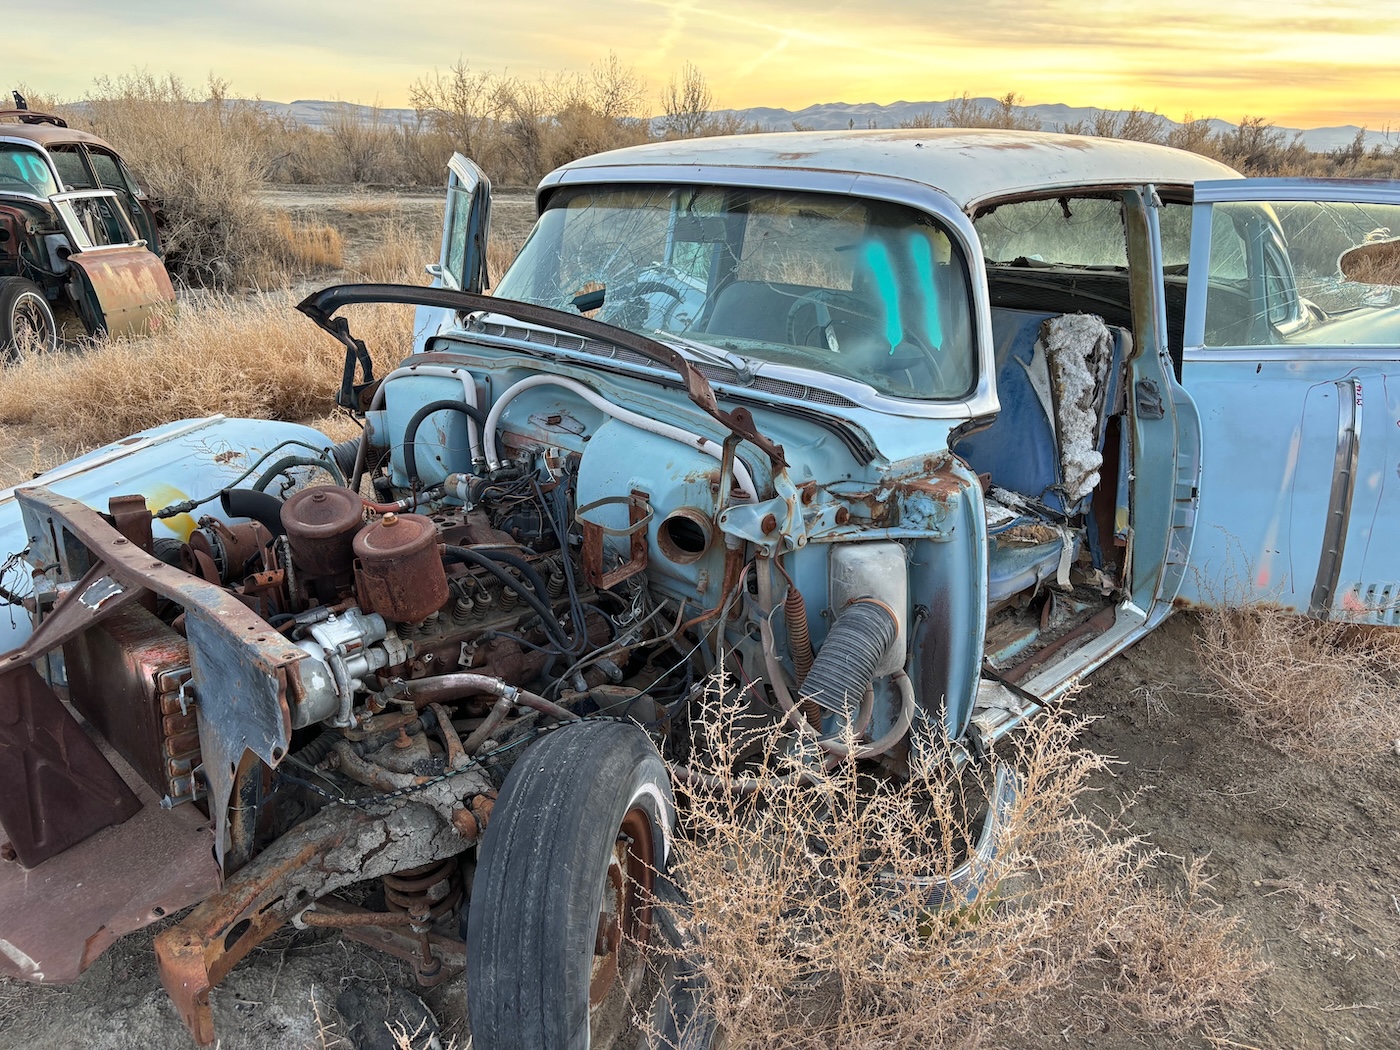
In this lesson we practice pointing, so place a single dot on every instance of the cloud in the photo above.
(1262, 56)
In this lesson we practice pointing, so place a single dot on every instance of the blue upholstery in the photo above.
(1019, 449)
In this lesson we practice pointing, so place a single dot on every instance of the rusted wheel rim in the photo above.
(624, 921)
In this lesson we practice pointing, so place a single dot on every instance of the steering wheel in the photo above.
(10, 182)
(855, 315)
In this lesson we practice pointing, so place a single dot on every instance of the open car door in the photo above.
(121, 286)
(1292, 355)
(466, 227)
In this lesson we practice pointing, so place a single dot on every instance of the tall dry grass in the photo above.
(1322, 690)
(810, 926)
(254, 357)
(306, 246)
(399, 253)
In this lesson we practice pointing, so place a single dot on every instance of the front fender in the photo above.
(189, 459)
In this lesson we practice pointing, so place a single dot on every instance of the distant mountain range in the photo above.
(833, 116)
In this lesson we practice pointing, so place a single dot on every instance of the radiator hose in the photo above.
(844, 668)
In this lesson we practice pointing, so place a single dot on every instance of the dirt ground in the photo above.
(1308, 855)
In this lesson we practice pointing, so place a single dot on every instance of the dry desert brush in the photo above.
(253, 356)
(1323, 690)
(810, 920)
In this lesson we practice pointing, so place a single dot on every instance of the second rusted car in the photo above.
(77, 231)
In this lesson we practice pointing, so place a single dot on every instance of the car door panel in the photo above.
(1297, 383)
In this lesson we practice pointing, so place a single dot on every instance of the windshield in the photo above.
(23, 170)
(872, 292)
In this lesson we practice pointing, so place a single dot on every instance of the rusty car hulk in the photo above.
(76, 231)
(906, 430)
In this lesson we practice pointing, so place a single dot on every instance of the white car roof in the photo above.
(968, 165)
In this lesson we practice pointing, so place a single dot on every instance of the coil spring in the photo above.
(556, 583)
(434, 888)
(509, 598)
(800, 646)
(429, 623)
(462, 609)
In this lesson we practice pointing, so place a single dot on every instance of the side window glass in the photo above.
(71, 168)
(1065, 231)
(1312, 273)
(109, 175)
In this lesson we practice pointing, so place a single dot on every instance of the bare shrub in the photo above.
(1323, 690)
(811, 925)
(1004, 113)
(206, 159)
(243, 357)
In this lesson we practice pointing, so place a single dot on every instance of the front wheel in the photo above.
(26, 321)
(560, 912)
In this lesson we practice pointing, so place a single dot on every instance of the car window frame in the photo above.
(74, 230)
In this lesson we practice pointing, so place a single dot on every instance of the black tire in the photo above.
(584, 804)
(25, 317)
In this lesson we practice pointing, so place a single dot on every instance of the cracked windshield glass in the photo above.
(866, 291)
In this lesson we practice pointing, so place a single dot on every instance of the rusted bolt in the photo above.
(389, 520)
(842, 515)
(402, 742)
(465, 824)
(809, 491)
(7, 851)
(769, 523)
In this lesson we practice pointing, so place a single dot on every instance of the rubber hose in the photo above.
(844, 667)
(410, 434)
(262, 507)
(345, 453)
(546, 614)
(286, 462)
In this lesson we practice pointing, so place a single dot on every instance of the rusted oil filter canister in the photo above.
(321, 523)
(399, 571)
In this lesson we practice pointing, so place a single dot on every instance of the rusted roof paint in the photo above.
(968, 165)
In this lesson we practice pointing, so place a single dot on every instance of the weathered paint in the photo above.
(128, 286)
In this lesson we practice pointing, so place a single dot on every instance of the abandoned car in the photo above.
(904, 430)
(76, 230)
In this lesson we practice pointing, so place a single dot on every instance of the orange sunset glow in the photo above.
(1298, 64)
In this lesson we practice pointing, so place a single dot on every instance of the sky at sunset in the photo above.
(1299, 64)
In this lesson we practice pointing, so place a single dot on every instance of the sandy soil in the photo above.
(1308, 855)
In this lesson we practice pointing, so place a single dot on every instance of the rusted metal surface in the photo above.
(321, 523)
(338, 846)
(639, 514)
(56, 788)
(58, 917)
(244, 670)
(360, 925)
(125, 676)
(129, 285)
(399, 573)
